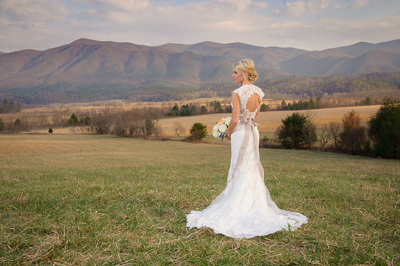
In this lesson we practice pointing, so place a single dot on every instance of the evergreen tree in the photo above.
(198, 131)
(291, 133)
(384, 130)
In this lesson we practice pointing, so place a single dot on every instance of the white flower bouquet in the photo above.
(220, 128)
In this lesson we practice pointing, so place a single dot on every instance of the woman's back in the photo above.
(250, 98)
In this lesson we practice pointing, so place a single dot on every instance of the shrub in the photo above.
(120, 130)
(296, 131)
(101, 125)
(50, 130)
(384, 130)
(198, 131)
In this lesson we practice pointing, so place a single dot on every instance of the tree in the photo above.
(291, 133)
(217, 107)
(185, 110)
(1, 125)
(158, 131)
(101, 125)
(309, 133)
(50, 130)
(384, 130)
(85, 121)
(228, 109)
(335, 130)
(324, 136)
(198, 131)
(283, 105)
(148, 128)
(264, 107)
(203, 110)
(353, 136)
(179, 129)
(311, 104)
(175, 111)
(73, 120)
(368, 101)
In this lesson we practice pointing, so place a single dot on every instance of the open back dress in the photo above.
(244, 209)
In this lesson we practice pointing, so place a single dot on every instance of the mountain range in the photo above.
(112, 68)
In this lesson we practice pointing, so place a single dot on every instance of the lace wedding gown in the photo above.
(244, 209)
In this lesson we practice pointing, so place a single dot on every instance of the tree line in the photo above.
(9, 106)
(381, 136)
(193, 109)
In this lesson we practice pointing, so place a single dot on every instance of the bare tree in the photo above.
(179, 129)
(158, 131)
(324, 136)
(335, 130)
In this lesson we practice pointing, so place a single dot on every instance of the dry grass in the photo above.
(270, 121)
(83, 199)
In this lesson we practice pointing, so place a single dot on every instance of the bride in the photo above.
(244, 209)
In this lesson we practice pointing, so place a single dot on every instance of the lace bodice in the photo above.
(244, 93)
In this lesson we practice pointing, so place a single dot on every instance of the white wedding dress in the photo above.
(244, 209)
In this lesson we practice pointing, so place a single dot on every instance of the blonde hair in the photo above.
(246, 66)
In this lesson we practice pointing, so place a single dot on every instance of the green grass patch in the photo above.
(82, 199)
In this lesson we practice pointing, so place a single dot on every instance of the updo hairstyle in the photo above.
(246, 66)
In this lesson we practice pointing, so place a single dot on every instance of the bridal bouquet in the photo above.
(220, 128)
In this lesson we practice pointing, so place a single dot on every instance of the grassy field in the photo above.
(84, 199)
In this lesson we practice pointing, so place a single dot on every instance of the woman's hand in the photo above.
(228, 136)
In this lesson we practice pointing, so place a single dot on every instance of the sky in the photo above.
(305, 24)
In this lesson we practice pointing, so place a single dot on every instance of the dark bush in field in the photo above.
(297, 130)
(198, 132)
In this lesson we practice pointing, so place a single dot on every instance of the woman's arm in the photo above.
(235, 115)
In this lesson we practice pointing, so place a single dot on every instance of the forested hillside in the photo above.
(88, 70)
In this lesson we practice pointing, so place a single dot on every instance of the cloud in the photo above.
(333, 32)
(240, 5)
(33, 11)
(299, 8)
(356, 4)
(120, 5)
(302, 24)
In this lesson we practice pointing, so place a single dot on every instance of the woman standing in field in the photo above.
(244, 209)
